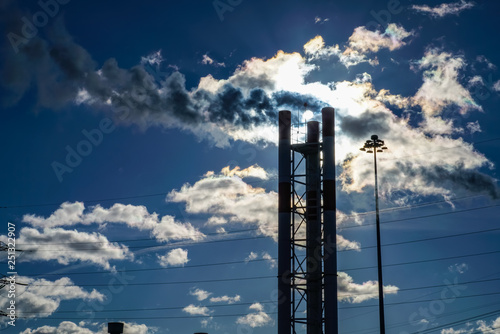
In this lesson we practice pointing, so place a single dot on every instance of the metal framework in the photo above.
(307, 259)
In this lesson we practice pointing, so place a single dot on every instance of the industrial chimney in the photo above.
(307, 248)
(115, 327)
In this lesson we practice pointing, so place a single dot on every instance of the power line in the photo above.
(84, 201)
(259, 237)
(165, 193)
(161, 317)
(421, 301)
(108, 199)
(345, 269)
(262, 302)
(419, 205)
(155, 308)
(405, 323)
(425, 239)
(133, 240)
(458, 322)
(158, 268)
(416, 298)
(443, 149)
(274, 302)
(169, 283)
(180, 244)
(445, 285)
(426, 216)
(274, 258)
(422, 261)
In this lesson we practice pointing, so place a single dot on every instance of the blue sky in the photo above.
(139, 160)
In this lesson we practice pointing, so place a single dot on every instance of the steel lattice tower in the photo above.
(307, 256)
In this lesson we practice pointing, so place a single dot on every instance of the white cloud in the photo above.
(441, 87)
(41, 297)
(168, 229)
(496, 86)
(252, 171)
(258, 318)
(226, 299)
(265, 256)
(272, 262)
(357, 293)
(361, 42)
(67, 214)
(342, 218)
(256, 307)
(483, 59)
(66, 246)
(133, 328)
(196, 310)
(231, 197)
(154, 58)
(439, 126)
(316, 49)
(344, 244)
(364, 40)
(138, 217)
(473, 127)
(476, 80)
(452, 8)
(319, 20)
(459, 268)
(216, 221)
(252, 256)
(209, 61)
(445, 171)
(479, 326)
(200, 294)
(175, 257)
(68, 327)
(65, 327)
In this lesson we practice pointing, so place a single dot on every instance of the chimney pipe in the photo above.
(329, 222)
(313, 230)
(115, 327)
(284, 219)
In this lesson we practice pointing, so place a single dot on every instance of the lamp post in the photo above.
(375, 145)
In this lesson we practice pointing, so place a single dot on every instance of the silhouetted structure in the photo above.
(115, 327)
(375, 145)
(307, 249)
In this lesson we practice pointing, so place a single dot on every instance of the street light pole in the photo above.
(373, 146)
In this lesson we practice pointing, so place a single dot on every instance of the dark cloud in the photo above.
(366, 124)
(63, 72)
(456, 178)
(296, 101)
(230, 105)
(262, 80)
